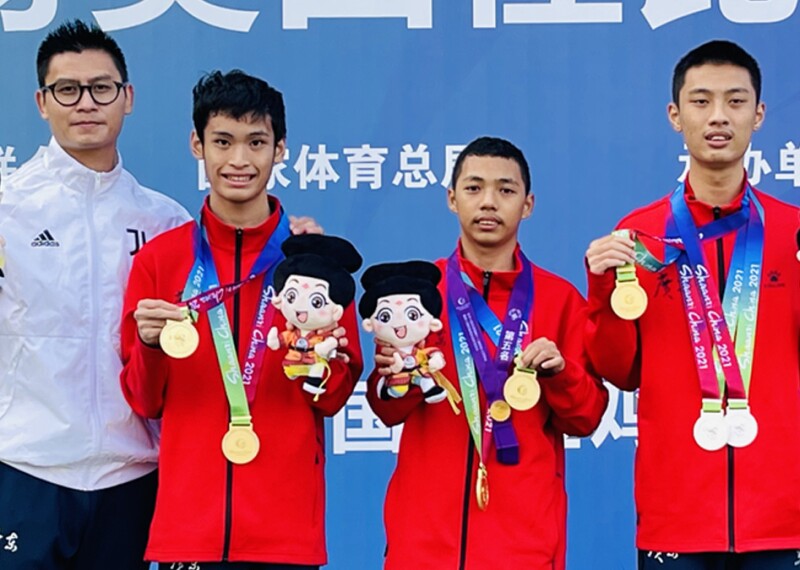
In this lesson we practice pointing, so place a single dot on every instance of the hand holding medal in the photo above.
(629, 299)
(179, 339)
(168, 326)
(522, 390)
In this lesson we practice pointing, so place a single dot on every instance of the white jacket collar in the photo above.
(75, 174)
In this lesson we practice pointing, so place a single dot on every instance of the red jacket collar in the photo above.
(703, 212)
(223, 236)
(501, 279)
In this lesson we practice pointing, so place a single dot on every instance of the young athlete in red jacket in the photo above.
(456, 500)
(715, 353)
(241, 468)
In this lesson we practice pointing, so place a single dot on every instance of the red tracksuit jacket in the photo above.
(688, 499)
(431, 515)
(207, 509)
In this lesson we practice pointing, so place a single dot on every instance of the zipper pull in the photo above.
(487, 277)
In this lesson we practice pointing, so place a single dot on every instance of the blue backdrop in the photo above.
(379, 95)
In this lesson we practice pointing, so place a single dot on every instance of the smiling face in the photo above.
(717, 113)
(306, 303)
(239, 156)
(87, 131)
(401, 320)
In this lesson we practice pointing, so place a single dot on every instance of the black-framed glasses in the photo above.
(68, 93)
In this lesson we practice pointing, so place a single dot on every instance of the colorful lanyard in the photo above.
(713, 325)
(673, 244)
(468, 314)
(239, 388)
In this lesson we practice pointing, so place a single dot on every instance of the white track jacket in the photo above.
(71, 234)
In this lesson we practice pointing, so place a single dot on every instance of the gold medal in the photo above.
(240, 444)
(629, 300)
(179, 339)
(500, 411)
(522, 390)
(482, 487)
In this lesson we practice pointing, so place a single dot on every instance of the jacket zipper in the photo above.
(462, 558)
(229, 478)
(94, 260)
(721, 279)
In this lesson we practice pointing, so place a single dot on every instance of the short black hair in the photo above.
(715, 52)
(76, 36)
(493, 146)
(408, 277)
(330, 258)
(237, 94)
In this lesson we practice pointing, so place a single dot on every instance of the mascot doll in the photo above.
(313, 286)
(401, 306)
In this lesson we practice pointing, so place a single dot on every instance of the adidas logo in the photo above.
(45, 239)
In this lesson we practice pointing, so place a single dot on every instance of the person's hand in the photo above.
(397, 363)
(543, 356)
(151, 316)
(339, 334)
(304, 225)
(384, 358)
(609, 251)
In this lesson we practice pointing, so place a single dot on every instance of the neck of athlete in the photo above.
(494, 257)
(241, 215)
(716, 187)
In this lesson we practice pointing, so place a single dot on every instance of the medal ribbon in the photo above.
(240, 382)
(468, 314)
(711, 322)
(673, 244)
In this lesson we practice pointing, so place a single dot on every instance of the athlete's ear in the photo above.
(674, 116)
(527, 207)
(451, 200)
(761, 111)
(196, 145)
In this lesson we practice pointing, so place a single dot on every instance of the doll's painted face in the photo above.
(401, 320)
(306, 303)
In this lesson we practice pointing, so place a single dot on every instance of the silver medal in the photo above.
(742, 426)
(711, 431)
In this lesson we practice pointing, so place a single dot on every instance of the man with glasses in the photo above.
(77, 466)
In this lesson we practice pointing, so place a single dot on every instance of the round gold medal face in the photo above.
(522, 390)
(179, 339)
(500, 411)
(240, 445)
(629, 300)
